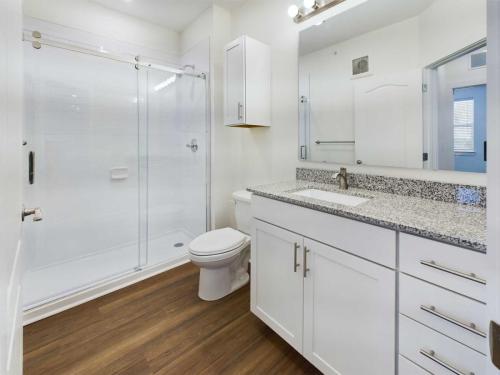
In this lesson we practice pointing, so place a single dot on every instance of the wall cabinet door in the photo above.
(234, 81)
(277, 281)
(349, 313)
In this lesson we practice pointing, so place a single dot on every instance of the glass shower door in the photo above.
(82, 128)
(177, 163)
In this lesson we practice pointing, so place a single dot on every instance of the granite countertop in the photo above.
(453, 223)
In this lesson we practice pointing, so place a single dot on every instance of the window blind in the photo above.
(463, 126)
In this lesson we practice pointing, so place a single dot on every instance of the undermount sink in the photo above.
(329, 196)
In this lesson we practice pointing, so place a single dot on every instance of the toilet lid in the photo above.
(217, 241)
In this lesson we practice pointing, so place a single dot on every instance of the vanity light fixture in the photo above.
(310, 8)
(310, 4)
(293, 11)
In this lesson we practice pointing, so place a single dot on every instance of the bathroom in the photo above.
(250, 187)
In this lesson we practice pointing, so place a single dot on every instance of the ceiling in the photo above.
(366, 17)
(172, 14)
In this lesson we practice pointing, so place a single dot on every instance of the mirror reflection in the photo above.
(396, 83)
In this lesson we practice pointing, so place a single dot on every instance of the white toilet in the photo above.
(223, 254)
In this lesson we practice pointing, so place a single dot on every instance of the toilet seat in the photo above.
(218, 242)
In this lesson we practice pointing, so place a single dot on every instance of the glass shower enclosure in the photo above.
(117, 160)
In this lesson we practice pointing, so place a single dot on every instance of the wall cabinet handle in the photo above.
(471, 327)
(306, 250)
(296, 248)
(468, 276)
(431, 354)
(240, 111)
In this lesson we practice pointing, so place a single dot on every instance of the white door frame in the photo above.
(11, 254)
(493, 209)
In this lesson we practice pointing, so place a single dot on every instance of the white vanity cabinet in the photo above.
(334, 307)
(443, 322)
(277, 283)
(349, 320)
(247, 83)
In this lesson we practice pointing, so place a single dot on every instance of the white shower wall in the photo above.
(89, 117)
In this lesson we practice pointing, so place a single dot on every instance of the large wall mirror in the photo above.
(399, 83)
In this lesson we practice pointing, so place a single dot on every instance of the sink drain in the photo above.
(179, 244)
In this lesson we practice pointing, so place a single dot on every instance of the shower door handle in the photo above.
(31, 167)
(36, 212)
(193, 145)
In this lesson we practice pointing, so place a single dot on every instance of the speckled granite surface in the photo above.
(456, 224)
(440, 191)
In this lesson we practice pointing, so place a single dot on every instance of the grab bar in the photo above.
(335, 142)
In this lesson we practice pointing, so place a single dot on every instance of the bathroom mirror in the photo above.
(396, 83)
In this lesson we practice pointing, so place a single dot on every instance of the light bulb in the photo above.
(293, 11)
(309, 4)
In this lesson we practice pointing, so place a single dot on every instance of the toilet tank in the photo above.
(242, 200)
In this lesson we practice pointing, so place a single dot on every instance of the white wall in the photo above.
(449, 25)
(11, 256)
(94, 18)
(271, 154)
(226, 151)
(199, 30)
(493, 209)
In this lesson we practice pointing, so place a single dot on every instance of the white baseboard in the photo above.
(96, 291)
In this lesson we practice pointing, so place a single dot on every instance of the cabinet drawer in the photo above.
(451, 267)
(447, 312)
(437, 353)
(368, 241)
(407, 367)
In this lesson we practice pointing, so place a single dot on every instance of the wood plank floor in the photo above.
(159, 326)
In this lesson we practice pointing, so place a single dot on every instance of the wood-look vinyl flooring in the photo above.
(159, 326)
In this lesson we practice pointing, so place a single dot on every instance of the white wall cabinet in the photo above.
(247, 83)
(338, 311)
(349, 319)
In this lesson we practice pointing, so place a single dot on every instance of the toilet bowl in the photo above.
(223, 254)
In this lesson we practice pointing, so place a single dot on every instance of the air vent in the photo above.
(360, 66)
(478, 60)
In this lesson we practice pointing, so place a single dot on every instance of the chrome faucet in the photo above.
(341, 177)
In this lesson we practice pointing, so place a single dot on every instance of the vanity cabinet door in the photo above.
(277, 281)
(349, 313)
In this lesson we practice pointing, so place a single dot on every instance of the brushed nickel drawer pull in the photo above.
(432, 356)
(296, 248)
(471, 327)
(468, 276)
(306, 250)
